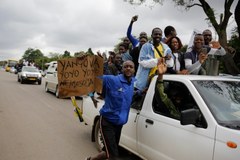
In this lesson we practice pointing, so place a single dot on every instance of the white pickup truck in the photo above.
(207, 130)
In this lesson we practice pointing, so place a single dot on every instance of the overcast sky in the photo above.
(76, 25)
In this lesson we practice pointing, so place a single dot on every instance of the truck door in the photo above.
(129, 132)
(161, 136)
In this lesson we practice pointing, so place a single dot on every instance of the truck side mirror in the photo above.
(189, 116)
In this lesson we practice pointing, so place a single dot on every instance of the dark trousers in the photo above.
(111, 135)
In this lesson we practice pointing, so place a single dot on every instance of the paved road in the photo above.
(35, 125)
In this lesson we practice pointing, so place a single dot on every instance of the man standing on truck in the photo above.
(117, 93)
(149, 55)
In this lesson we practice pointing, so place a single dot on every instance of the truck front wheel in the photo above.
(98, 136)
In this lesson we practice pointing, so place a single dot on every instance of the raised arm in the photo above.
(216, 49)
(132, 39)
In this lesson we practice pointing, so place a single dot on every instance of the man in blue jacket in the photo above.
(149, 55)
(117, 93)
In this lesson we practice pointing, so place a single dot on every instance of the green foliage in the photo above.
(40, 62)
(79, 54)
(90, 52)
(66, 54)
(32, 54)
(234, 42)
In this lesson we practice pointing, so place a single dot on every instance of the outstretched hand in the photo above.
(99, 54)
(162, 66)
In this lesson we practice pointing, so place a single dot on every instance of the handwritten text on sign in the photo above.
(79, 76)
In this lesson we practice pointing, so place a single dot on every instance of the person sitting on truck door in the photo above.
(172, 106)
(117, 93)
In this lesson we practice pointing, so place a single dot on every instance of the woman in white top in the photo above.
(175, 45)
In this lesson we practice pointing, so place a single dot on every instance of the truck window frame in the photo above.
(160, 108)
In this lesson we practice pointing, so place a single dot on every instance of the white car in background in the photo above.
(29, 74)
(51, 79)
(13, 70)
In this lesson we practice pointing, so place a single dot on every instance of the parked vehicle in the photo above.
(208, 129)
(9, 64)
(51, 79)
(43, 73)
(13, 70)
(29, 74)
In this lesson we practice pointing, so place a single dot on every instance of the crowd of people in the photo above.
(145, 53)
(130, 71)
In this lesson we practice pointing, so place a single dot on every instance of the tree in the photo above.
(66, 54)
(89, 51)
(54, 56)
(237, 17)
(234, 42)
(79, 54)
(32, 54)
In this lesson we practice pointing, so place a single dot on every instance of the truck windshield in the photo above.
(223, 100)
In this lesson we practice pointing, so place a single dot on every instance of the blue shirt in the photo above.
(126, 56)
(118, 93)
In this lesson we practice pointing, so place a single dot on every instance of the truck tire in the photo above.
(57, 92)
(98, 136)
(46, 87)
(21, 80)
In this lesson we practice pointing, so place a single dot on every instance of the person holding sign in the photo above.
(117, 92)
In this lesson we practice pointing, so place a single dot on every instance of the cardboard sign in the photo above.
(79, 76)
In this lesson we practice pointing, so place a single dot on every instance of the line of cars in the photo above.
(34, 75)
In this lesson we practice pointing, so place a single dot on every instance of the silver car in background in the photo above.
(29, 74)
